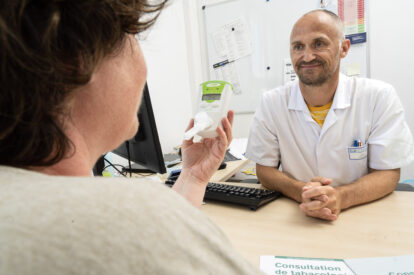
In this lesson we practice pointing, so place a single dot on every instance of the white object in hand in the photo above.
(213, 105)
(201, 122)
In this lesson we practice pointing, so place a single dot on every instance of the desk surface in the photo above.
(231, 168)
(220, 175)
(381, 228)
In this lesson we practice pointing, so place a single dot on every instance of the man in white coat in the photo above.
(340, 141)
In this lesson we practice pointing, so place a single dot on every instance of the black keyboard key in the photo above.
(248, 196)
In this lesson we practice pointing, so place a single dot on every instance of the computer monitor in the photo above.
(144, 148)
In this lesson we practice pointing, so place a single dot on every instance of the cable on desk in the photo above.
(113, 166)
(129, 159)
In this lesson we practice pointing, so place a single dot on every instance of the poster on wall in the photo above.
(231, 42)
(352, 13)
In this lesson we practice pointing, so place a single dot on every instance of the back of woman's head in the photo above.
(48, 48)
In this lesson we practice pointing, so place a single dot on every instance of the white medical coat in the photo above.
(362, 109)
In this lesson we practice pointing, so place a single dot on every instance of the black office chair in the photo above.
(407, 185)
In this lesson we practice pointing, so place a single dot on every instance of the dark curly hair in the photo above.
(48, 48)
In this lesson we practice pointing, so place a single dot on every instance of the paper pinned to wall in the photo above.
(289, 73)
(352, 13)
(220, 44)
(330, 5)
(233, 40)
(350, 16)
(226, 71)
(353, 69)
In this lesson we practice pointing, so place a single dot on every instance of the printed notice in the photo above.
(227, 71)
(352, 14)
(303, 266)
(403, 264)
(353, 69)
(288, 71)
(233, 40)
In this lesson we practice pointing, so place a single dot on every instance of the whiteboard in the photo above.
(269, 23)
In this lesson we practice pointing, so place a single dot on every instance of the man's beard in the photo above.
(312, 79)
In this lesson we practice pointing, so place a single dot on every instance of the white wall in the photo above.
(173, 55)
(391, 53)
(165, 51)
(195, 35)
(174, 59)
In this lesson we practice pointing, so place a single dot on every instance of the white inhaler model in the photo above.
(213, 105)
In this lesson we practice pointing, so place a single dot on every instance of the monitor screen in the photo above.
(144, 147)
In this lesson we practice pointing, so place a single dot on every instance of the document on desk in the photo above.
(311, 266)
(303, 266)
(403, 264)
(237, 147)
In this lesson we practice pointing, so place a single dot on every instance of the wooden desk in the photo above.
(231, 168)
(381, 228)
(220, 175)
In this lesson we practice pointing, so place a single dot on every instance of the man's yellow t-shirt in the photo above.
(319, 113)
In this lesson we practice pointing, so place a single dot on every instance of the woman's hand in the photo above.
(201, 159)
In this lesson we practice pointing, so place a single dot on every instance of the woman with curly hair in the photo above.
(65, 66)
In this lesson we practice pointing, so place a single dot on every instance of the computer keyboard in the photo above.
(229, 156)
(247, 196)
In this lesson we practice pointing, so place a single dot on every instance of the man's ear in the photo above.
(346, 44)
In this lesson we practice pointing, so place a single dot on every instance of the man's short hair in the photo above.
(48, 48)
(335, 17)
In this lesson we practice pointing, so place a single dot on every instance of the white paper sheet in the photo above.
(297, 266)
(238, 147)
(233, 40)
(353, 69)
(351, 16)
(289, 73)
(403, 264)
(229, 73)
